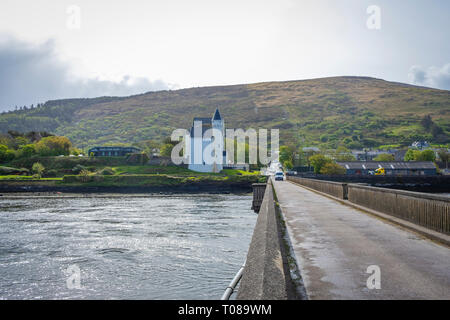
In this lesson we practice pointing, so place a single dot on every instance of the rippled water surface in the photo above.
(155, 247)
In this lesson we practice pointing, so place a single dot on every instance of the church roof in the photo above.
(217, 115)
(206, 122)
(203, 120)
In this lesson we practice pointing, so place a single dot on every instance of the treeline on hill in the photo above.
(369, 130)
(354, 112)
(45, 117)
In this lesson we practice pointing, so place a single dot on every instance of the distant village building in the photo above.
(397, 168)
(112, 151)
(362, 155)
(420, 145)
(365, 155)
(155, 152)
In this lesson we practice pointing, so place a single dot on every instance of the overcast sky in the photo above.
(134, 46)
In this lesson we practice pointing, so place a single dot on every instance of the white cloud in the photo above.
(436, 77)
(34, 73)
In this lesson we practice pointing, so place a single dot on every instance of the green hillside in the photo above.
(352, 111)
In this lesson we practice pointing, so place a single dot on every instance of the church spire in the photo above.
(217, 115)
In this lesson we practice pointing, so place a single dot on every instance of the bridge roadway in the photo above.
(334, 244)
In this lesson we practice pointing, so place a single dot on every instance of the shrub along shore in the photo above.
(134, 184)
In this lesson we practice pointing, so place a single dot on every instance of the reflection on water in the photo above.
(156, 247)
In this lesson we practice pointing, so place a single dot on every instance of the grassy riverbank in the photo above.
(134, 184)
(158, 180)
(132, 180)
(89, 173)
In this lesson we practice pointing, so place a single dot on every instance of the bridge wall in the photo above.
(409, 183)
(265, 276)
(336, 189)
(426, 210)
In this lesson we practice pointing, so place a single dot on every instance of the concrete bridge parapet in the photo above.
(336, 189)
(266, 274)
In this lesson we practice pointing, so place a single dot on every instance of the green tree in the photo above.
(332, 169)
(417, 155)
(10, 155)
(426, 155)
(54, 146)
(166, 150)
(6, 154)
(444, 155)
(38, 169)
(318, 161)
(385, 157)
(286, 154)
(20, 141)
(411, 155)
(3, 150)
(76, 151)
(288, 164)
(307, 155)
(27, 150)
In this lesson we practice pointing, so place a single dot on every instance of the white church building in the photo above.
(197, 143)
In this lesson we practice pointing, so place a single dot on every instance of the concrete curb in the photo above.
(424, 232)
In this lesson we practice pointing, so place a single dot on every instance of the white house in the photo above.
(197, 142)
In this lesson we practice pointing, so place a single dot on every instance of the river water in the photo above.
(156, 247)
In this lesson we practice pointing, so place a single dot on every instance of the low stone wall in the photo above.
(426, 210)
(336, 189)
(264, 277)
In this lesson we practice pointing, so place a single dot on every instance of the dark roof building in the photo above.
(112, 151)
(392, 168)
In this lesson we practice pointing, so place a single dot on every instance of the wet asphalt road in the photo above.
(334, 245)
